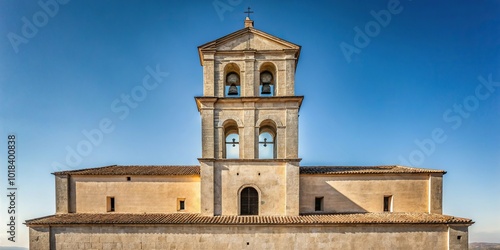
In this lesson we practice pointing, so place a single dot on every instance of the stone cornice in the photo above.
(249, 160)
(208, 102)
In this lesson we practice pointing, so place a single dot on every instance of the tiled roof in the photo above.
(195, 170)
(186, 218)
(135, 170)
(332, 170)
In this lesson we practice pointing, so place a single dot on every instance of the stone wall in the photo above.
(270, 179)
(420, 236)
(151, 194)
(458, 237)
(365, 193)
(40, 238)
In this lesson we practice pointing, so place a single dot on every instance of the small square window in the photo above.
(388, 203)
(181, 204)
(110, 203)
(318, 204)
(129, 178)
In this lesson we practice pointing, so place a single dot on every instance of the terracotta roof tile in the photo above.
(334, 170)
(135, 170)
(195, 170)
(189, 218)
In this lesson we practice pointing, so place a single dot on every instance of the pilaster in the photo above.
(62, 199)
(290, 60)
(249, 81)
(207, 197)
(292, 132)
(208, 73)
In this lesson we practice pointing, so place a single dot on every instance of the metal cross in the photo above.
(248, 12)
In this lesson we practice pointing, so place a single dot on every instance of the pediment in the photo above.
(248, 39)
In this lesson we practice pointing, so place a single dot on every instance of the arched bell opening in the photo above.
(267, 140)
(231, 149)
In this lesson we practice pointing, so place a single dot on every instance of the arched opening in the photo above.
(267, 78)
(266, 84)
(232, 87)
(232, 140)
(232, 80)
(267, 140)
(249, 201)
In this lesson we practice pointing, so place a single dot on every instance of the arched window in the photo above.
(266, 84)
(249, 201)
(232, 87)
(231, 141)
(267, 142)
(232, 146)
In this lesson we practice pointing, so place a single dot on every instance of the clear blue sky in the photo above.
(414, 79)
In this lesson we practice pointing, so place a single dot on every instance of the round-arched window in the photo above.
(249, 201)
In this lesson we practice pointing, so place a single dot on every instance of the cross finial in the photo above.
(248, 12)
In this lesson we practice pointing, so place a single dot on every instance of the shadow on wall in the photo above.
(336, 202)
(331, 199)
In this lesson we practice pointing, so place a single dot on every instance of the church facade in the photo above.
(249, 190)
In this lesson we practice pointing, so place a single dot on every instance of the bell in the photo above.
(233, 90)
(266, 89)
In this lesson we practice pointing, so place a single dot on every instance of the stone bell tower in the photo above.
(249, 119)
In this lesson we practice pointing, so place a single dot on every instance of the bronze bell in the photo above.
(266, 89)
(233, 90)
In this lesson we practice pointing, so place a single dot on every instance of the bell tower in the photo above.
(249, 119)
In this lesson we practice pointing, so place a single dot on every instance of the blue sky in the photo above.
(409, 94)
